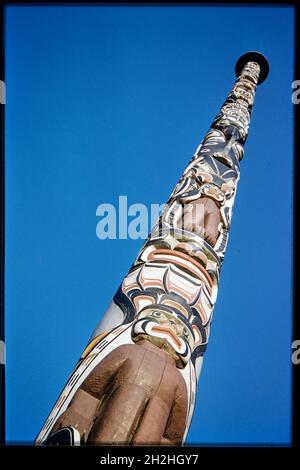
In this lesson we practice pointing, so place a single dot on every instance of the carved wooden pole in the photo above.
(136, 381)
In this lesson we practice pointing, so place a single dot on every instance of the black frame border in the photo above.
(81, 454)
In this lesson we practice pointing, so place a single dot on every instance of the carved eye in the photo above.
(156, 314)
(185, 331)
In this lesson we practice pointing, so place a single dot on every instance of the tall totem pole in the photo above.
(136, 381)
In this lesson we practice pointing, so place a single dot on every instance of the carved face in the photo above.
(236, 114)
(167, 331)
(251, 70)
(244, 89)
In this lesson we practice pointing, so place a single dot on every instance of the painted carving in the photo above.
(136, 380)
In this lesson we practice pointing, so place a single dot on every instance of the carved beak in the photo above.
(167, 328)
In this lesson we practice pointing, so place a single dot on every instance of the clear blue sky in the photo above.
(109, 101)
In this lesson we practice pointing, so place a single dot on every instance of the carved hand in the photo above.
(136, 395)
(202, 216)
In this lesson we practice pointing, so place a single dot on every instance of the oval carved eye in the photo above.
(185, 331)
(156, 314)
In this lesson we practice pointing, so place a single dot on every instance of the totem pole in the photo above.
(136, 381)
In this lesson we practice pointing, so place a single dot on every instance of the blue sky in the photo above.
(109, 101)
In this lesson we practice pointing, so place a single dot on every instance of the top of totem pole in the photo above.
(253, 56)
